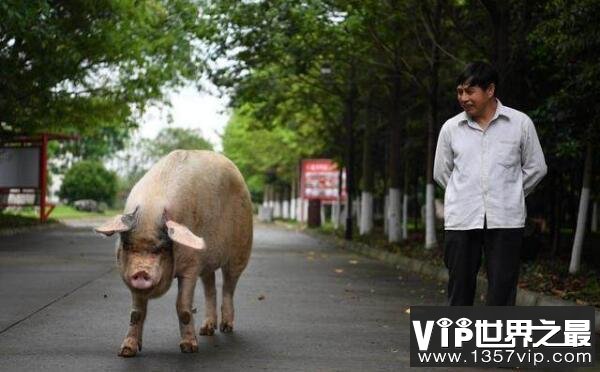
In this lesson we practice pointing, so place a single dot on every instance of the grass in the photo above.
(29, 216)
(11, 221)
(63, 212)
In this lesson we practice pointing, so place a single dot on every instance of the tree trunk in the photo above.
(430, 234)
(285, 206)
(366, 215)
(349, 119)
(271, 202)
(305, 206)
(293, 200)
(417, 205)
(594, 226)
(386, 208)
(503, 46)
(405, 201)
(395, 164)
(394, 233)
(582, 214)
(557, 219)
(276, 202)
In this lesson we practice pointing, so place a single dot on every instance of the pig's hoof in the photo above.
(129, 347)
(208, 328)
(189, 346)
(226, 327)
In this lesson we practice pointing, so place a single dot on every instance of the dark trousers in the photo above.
(462, 255)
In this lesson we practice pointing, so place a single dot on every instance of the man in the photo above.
(488, 158)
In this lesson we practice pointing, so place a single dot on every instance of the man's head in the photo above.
(476, 88)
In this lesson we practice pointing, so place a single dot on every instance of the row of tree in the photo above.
(327, 78)
(337, 78)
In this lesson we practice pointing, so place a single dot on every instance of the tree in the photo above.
(91, 67)
(169, 139)
(266, 156)
(89, 180)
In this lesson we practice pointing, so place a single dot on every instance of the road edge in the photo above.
(525, 297)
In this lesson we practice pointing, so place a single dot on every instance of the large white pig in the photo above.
(188, 216)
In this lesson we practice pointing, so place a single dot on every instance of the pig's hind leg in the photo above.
(133, 341)
(185, 298)
(210, 305)
(230, 278)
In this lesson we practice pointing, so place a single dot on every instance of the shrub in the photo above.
(89, 180)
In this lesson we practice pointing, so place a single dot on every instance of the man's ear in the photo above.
(491, 90)
(121, 223)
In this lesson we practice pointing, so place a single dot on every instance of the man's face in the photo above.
(473, 99)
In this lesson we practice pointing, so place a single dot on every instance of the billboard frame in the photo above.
(38, 141)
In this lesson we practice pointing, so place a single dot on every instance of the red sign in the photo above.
(320, 180)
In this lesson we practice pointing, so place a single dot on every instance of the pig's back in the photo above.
(206, 192)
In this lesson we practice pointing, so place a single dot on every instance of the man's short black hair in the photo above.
(480, 74)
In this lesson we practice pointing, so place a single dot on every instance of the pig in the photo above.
(188, 216)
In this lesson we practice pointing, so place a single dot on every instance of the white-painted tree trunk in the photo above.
(405, 216)
(394, 216)
(335, 214)
(366, 213)
(277, 207)
(299, 209)
(286, 210)
(265, 202)
(344, 214)
(584, 201)
(293, 208)
(305, 210)
(580, 231)
(430, 237)
(356, 209)
(595, 217)
(322, 213)
(271, 198)
(386, 206)
(266, 196)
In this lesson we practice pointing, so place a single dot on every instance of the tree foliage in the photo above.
(89, 179)
(92, 67)
(169, 139)
(390, 66)
(266, 155)
(142, 153)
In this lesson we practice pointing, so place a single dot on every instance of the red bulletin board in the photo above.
(320, 180)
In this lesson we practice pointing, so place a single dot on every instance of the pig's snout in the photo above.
(141, 280)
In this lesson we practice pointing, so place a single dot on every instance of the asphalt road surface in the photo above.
(301, 305)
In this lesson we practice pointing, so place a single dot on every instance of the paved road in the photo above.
(63, 307)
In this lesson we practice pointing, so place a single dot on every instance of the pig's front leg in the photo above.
(185, 298)
(133, 340)
(210, 303)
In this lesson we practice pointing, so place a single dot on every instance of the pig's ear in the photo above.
(182, 235)
(121, 223)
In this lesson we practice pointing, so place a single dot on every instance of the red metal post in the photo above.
(43, 175)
